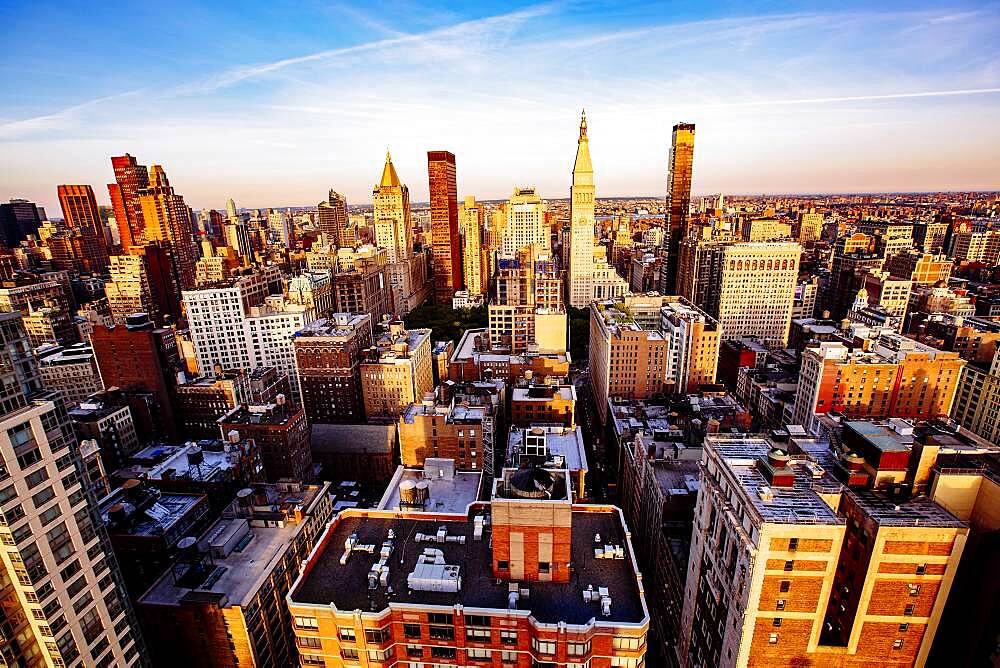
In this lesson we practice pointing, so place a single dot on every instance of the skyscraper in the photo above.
(18, 219)
(678, 200)
(470, 220)
(63, 594)
(391, 210)
(581, 255)
(130, 178)
(447, 250)
(168, 220)
(333, 221)
(525, 224)
(80, 213)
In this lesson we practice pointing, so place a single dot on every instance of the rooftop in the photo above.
(270, 414)
(78, 353)
(353, 438)
(204, 461)
(559, 441)
(243, 552)
(544, 393)
(141, 511)
(447, 490)
(345, 586)
(338, 325)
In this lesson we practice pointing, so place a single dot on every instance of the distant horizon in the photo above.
(263, 102)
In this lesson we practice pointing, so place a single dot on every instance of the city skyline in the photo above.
(785, 101)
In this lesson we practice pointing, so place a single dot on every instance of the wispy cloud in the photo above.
(854, 98)
(12, 129)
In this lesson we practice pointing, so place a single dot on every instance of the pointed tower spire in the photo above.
(389, 176)
(583, 124)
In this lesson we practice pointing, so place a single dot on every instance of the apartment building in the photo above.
(281, 433)
(201, 401)
(642, 345)
(222, 602)
(895, 377)
(458, 422)
(551, 402)
(72, 370)
(328, 355)
(803, 553)
(977, 399)
(411, 588)
(63, 597)
(396, 371)
(475, 359)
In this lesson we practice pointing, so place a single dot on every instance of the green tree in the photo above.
(579, 334)
(446, 323)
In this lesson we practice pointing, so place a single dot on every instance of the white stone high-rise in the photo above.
(580, 276)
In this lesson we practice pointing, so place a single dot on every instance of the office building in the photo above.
(130, 179)
(804, 553)
(80, 214)
(470, 591)
(474, 263)
(920, 267)
(201, 401)
(757, 288)
(929, 237)
(445, 239)
(678, 203)
(333, 222)
(167, 220)
(579, 278)
(396, 371)
(222, 602)
(391, 215)
(328, 355)
(64, 600)
(360, 283)
(19, 219)
(525, 224)
(143, 281)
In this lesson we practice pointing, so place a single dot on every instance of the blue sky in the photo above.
(273, 103)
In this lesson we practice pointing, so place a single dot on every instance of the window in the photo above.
(477, 620)
(793, 544)
(789, 565)
(377, 636)
(315, 643)
(36, 478)
(346, 634)
(914, 590)
(897, 644)
(43, 497)
(908, 611)
(578, 648)
(312, 660)
(441, 633)
(628, 642)
(506, 656)
(502, 565)
(306, 623)
(443, 652)
(411, 630)
(543, 646)
(479, 654)
(903, 627)
(415, 651)
(777, 621)
(477, 635)
(440, 618)
(543, 567)
(91, 623)
(785, 586)
(780, 605)
(7, 493)
(773, 639)
(921, 569)
(346, 652)
(508, 637)
(380, 655)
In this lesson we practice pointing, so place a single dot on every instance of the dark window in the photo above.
(777, 621)
(789, 565)
(443, 652)
(793, 543)
(411, 630)
(502, 565)
(441, 632)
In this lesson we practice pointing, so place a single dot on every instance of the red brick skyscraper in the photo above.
(79, 208)
(130, 178)
(444, 225)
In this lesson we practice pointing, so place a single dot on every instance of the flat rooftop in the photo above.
(268, 414)
(327, 582)
(159, 514)
(155, 460)
(558, 441)
(452, 495)
(338, 326)
(544, 393)
(798, 504)
(353, 438)
(251, 557)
